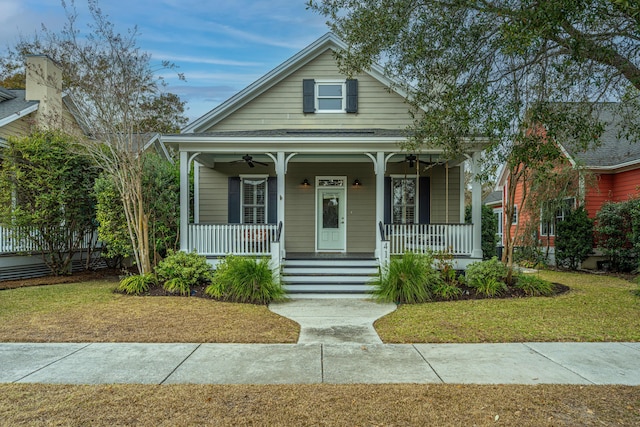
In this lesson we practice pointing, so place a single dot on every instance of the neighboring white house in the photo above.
(305, 164)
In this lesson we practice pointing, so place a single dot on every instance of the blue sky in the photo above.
(221, 46)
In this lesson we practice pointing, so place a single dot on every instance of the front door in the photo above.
(331, 206)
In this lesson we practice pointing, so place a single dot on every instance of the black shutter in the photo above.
(234, 200)
(352, 96)
(272, 200)
(387, 200)
(308, 96)
(424, 202)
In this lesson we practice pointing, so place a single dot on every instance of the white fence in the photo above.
(456, 239)
(11, 245)
(236, 239)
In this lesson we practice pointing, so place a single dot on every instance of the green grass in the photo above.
(597, 308)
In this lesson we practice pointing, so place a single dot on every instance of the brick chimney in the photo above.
(44, 84)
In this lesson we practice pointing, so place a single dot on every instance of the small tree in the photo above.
(161, 182)
(46, 195)
(574, 239)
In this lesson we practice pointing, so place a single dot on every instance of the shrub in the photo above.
(248, 280)
(614, 232)
(408, 279)
(574, 239)
(447, 291)
(136, 285)
(487, 277)
(181, 270)
(489, 229)
(534, 286)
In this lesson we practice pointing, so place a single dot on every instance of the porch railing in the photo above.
(456, 239)
(9, 244)
(237, 239)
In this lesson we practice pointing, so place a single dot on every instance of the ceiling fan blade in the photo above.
(250, 163)
(260, 163)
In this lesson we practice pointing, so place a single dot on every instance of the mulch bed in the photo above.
(511, 292)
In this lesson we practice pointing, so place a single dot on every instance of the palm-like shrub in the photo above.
(240, 279)
(181, 270)
(408, 279)
(534, 286)
(136, 285)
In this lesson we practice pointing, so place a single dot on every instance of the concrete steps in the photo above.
(328, 278)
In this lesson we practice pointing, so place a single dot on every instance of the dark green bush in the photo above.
(617, 235)
(181, 270)
(407, 279)
(136, 285)
(241, 279)
(574, 239)
(487, 277)
(533, 285)
(489, 229)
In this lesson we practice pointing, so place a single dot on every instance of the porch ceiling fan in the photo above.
(412, 159)
(249, 160)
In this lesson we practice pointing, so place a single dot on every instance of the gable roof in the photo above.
(615, 150)
(13, 105)
(273, 77)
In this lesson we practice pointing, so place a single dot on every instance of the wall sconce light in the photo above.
(305, 183)
(357, 183)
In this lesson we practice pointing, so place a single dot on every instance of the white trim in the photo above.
(343, 189)
(18, 115)
(317, 97)
(196, 192)
(266, 196)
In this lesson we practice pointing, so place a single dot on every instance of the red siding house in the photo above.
(615, 167)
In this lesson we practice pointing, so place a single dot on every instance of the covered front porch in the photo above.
(313, 187)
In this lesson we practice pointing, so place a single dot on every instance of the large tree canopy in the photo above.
(478, 65)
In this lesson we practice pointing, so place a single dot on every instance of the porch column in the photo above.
(281, 168)
(380, 167)
(184, 201)
(476, 207)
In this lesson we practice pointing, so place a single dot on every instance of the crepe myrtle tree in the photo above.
(521, 74)
(117, 92)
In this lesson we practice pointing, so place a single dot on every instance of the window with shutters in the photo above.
(404, 200)
(330, 96)
(254, 199)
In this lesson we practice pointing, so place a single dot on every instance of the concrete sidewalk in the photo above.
(522, 363)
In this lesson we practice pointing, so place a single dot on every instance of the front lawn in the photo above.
(91, 312)
(597, 308)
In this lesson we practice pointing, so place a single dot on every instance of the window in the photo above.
(403, 199)
(254, 200)
(514, 219)
(499, 222)
(330, 96)
(549, 216)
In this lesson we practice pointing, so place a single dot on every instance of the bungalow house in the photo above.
(305, 165)
(614, 165)
(41, 104)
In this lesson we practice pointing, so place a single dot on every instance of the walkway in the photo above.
(337, 345)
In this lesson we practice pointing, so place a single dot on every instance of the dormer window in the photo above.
(330, 96)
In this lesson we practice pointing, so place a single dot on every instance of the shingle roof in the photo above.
(493, 197)
(13, 105)
(615, 148)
